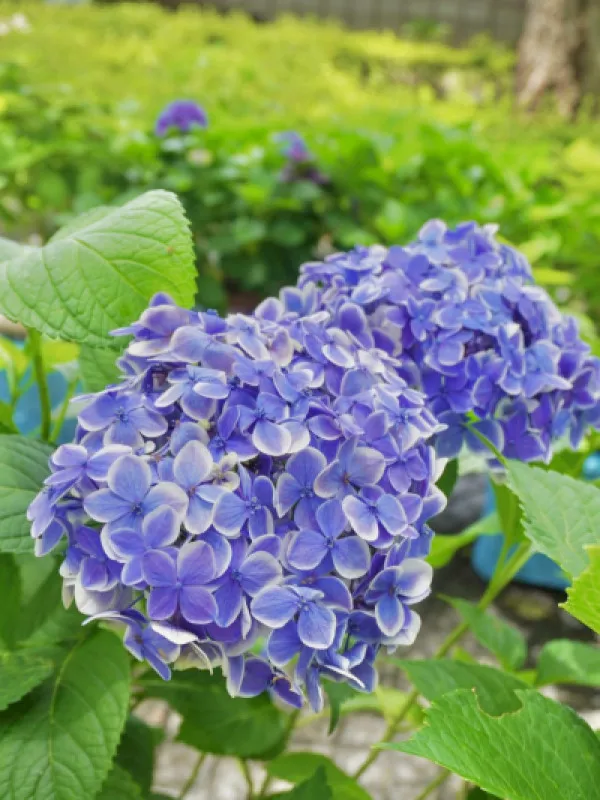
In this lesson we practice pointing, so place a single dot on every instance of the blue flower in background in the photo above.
(180, 115)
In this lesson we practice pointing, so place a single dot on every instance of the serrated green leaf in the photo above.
(136, 751)
(81, 221)
(214, 722)
(119, 785)
(542, 750)
(10, 587)
(297, 767)
(101, 276)
(314, 788)
(98, 367)
(447, 482)
(386, 701)
(584, 595)
(19, 674)
(58, 742)
(23, 467)
(567, 661)
(503, 640)
(509, 513)
(561, 514)
(436, 677)
(444, 546)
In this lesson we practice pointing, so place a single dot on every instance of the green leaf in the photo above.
(10, 249)
(436, 677)
(98, 367)
(297, 767)
(10, 583)
(214, 722)
(561, 514)
(503, 640)
(119, 785)
(583, 597)
(59, 741)
(315, 788)
(443, 547)
(542, 750)
(101, 275)
(567, 661)
(385, 701)
(136, 751)
(449, 477)
(509, 512)
(19, 674)
(23, 467)
(42, 619)
(337, 693)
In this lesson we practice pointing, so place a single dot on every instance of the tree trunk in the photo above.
(559, 51)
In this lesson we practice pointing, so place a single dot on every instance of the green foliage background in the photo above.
(404, 130)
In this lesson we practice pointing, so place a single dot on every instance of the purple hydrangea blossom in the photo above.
(270, 476)
(180, 115)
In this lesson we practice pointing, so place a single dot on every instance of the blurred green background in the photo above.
(404, 129)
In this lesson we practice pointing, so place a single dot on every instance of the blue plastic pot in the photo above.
(539, 570)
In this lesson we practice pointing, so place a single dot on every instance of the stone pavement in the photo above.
(394, 776)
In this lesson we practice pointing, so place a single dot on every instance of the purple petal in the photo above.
(100, 413)
(166, 494)
(159, 569)
(391, 514)
(272, 439)
(389, 613)
(148, 422)
(70, 455)
(414, 577)
(288, 492)
(331, 518)
(316, 626)
(329, 482)
(197, 605)
(162, 602)
(306, 550)
(351, 557)
(257, 676)
(196, 564)
(199, 515)
(104, 506)
(228, 598)
(100, 463)
(192, 465)
(361, 518)
(160, 527)
(366, 467)
(129, 478)
(127, 544)
(221, 551)
(275, 605)
(258, 571)
(230, 514)
(284, 644)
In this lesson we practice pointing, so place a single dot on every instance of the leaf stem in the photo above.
(505, 573)
(62, 412)
(192, 776)
(248, 776)
(35, 342)
(439, 779)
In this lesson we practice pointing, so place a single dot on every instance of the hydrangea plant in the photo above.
(249, 498)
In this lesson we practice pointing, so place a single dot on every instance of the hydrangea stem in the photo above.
(248, 777)
(503, 575)
(192, 776)
(439, 779)
(35, 343)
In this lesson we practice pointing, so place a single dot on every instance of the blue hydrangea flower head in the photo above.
(180, 115)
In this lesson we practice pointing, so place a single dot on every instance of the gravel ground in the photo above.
(394, 776)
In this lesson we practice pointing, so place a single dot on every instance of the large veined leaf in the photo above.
(584, 595)
(503, 640)
(136, 751)
(540, 751)
(314, 788)
(98, 367)
(436, 677)
(562, 514)
(10, 588)
(102, 272)
(568, 661)
(216, 723)
(23, 467)
(10, 249)
(19, 674)
(59, 741)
